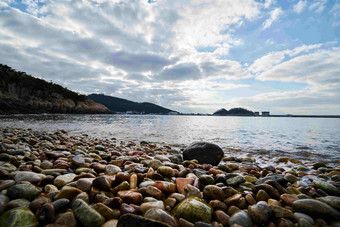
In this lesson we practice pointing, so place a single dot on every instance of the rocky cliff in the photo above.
(22, 93)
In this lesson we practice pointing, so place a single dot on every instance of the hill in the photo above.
(123, 105)
(234, 112)
(21, 93)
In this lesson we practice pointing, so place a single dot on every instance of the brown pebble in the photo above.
(285, 223)
(218, 205)
(222, 217)
(154, 192)
(66, 219)
(274, 202)
(165, 186)
(272, 192)
(232, 210)
(133, 181)
(130, 196)
(250, 199)
(288, 198)
(233, 199)
(262, 195)
(185, 223)
(84, 175)
(122, 176)
(181, 182)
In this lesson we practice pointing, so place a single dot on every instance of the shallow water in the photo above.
(307, 138)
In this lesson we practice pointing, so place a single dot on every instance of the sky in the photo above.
(189, 56)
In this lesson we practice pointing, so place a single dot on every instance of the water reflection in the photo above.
(247, 133)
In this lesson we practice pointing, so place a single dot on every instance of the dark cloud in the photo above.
(183, 71)
(52, 68)
(137, 77)
(137, 62)
(210, 68)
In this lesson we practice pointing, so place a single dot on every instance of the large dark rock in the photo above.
(204, 153)
(315, 208)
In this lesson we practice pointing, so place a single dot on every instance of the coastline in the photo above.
(122, 177)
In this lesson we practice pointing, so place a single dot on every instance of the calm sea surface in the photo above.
(318, 138)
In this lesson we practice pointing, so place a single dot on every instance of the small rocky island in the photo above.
(54, 179)
(24, 94)
(234, 112)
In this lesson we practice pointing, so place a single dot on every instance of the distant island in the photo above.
(24, 94)
(234, 112)
(119, 105)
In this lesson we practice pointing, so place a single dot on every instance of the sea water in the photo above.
(317, 138)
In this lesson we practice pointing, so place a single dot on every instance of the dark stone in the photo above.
(38, 202)
(5, 157)
(4, 174)
(127, 209)
(47, 180)
(276, 177)
(17, 203)
(46, 213)
(113, 203)
(204, 153)
(25, 191)
(270, 168)
(157, 176)
(315, 208)
(16, 152)
(61, 204)
(128, 220)
(102, 183)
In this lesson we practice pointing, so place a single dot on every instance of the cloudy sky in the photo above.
(190, 56)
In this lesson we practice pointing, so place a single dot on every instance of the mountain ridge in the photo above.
(116, 104)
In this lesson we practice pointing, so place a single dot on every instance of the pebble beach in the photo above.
(57, 179)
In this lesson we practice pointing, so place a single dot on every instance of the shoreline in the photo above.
(126, 182)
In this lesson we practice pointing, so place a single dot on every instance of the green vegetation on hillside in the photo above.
(22, 80)
(123, 105)
(234, 112)
(24, 94)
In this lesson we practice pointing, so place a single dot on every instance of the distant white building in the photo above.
(265, 113)
(173, 113)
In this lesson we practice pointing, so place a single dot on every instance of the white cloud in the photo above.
(300, 6)
(226, 69)
(207, 23)
(149, 52)
(269, 3)
(318, 68)
(318, 6)
(335, 10)
(274, 16)
(32, 6)
(268, 61)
